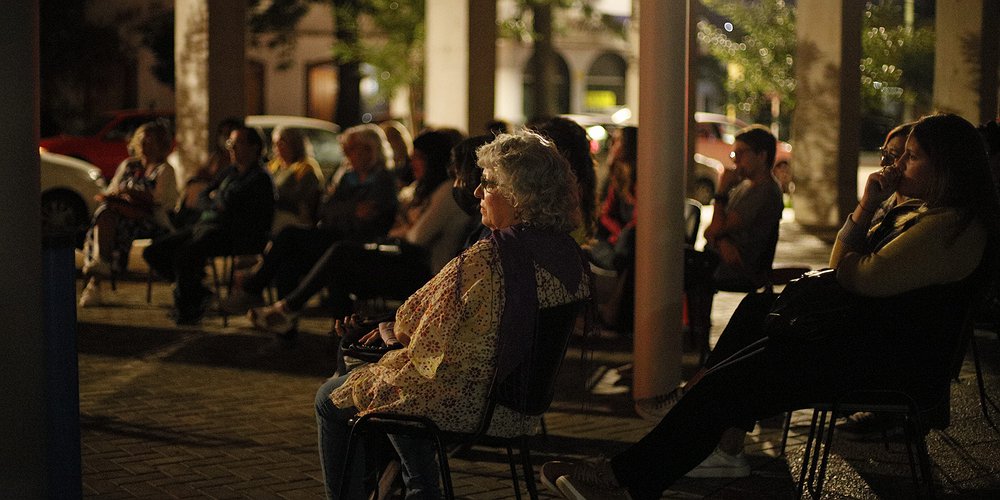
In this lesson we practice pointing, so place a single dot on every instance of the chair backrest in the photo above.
(692, 220)
(530, 389)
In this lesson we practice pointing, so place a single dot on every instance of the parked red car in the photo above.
(104, 142)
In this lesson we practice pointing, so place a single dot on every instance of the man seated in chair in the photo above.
(742, 237)
(237, 215)
(467, 325)
(744, 226)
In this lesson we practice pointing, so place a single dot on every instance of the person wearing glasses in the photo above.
(741, 238)
(236, 219)
(915, 279)
(465, 322)
(744, 225)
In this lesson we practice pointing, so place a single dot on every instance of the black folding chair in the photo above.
(554, 327)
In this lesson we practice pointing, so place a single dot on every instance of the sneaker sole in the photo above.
(570, 493)
(544, 478)
(567, 490)
(719, 472)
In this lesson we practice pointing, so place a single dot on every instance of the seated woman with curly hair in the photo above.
(456, 327)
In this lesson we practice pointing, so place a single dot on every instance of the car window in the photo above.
(326, 149)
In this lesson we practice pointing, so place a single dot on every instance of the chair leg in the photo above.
(810, 459)
(513, 472)
(149, 286)
(784, 432)
(984, 399)
(448, 490)
(529, 472)
(828, 428)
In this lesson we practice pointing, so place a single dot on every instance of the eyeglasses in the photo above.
(888, 157)
(489, 185)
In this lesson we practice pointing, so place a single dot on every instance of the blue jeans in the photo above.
(416, 456)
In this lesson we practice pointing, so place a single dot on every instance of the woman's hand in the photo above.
(879, 187)
(370, 338)
(346, 327)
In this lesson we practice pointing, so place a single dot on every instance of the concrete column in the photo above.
(663, 117)
(460, 64)
(209, 44)
(24, 414)
(965, 58)
(825, 126)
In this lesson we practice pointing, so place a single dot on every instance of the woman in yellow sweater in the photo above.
(917, 275)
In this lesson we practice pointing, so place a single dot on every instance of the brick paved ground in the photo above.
(219, 412)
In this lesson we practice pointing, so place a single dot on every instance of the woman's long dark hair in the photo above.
(436, 148)
(962, 177)
(571, 140)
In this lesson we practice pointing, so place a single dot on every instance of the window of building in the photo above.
(606, 83)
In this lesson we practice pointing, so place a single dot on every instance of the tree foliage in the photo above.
(760, 50)
(896, 62)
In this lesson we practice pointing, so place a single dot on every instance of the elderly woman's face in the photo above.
(497, 211)
(358, 153)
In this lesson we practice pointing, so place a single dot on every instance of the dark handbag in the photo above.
(131, 203)
(812, 307)
(351, 346)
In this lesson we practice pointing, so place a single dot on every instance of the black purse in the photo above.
(813, 307)
(351, 346)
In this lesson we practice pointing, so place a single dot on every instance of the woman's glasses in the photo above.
(489, 185)
(888, 157)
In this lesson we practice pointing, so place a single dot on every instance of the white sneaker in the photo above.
(655, 408)
(91, 296)
(722, 464)
(97, 267)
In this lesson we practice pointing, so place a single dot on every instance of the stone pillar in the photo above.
(825, 128)
(460, 64)
(209, 45)
(663, 117)
(965, 58)
(24, 362)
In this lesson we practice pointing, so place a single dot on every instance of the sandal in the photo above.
(273, 319)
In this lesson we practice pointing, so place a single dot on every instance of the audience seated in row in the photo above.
(236, 218)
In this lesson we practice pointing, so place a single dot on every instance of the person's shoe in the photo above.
(722, 464)
(608, 383)
(91, 296)
(590, 480)
(273, 319)
(655, 408)
(867, 426)
(240, 301)
(97, 267)
(552, 471)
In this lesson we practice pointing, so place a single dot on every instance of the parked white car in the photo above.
(69, 186)
(323, 137)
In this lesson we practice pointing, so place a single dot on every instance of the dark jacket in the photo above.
(338, 212)
(242, 205)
